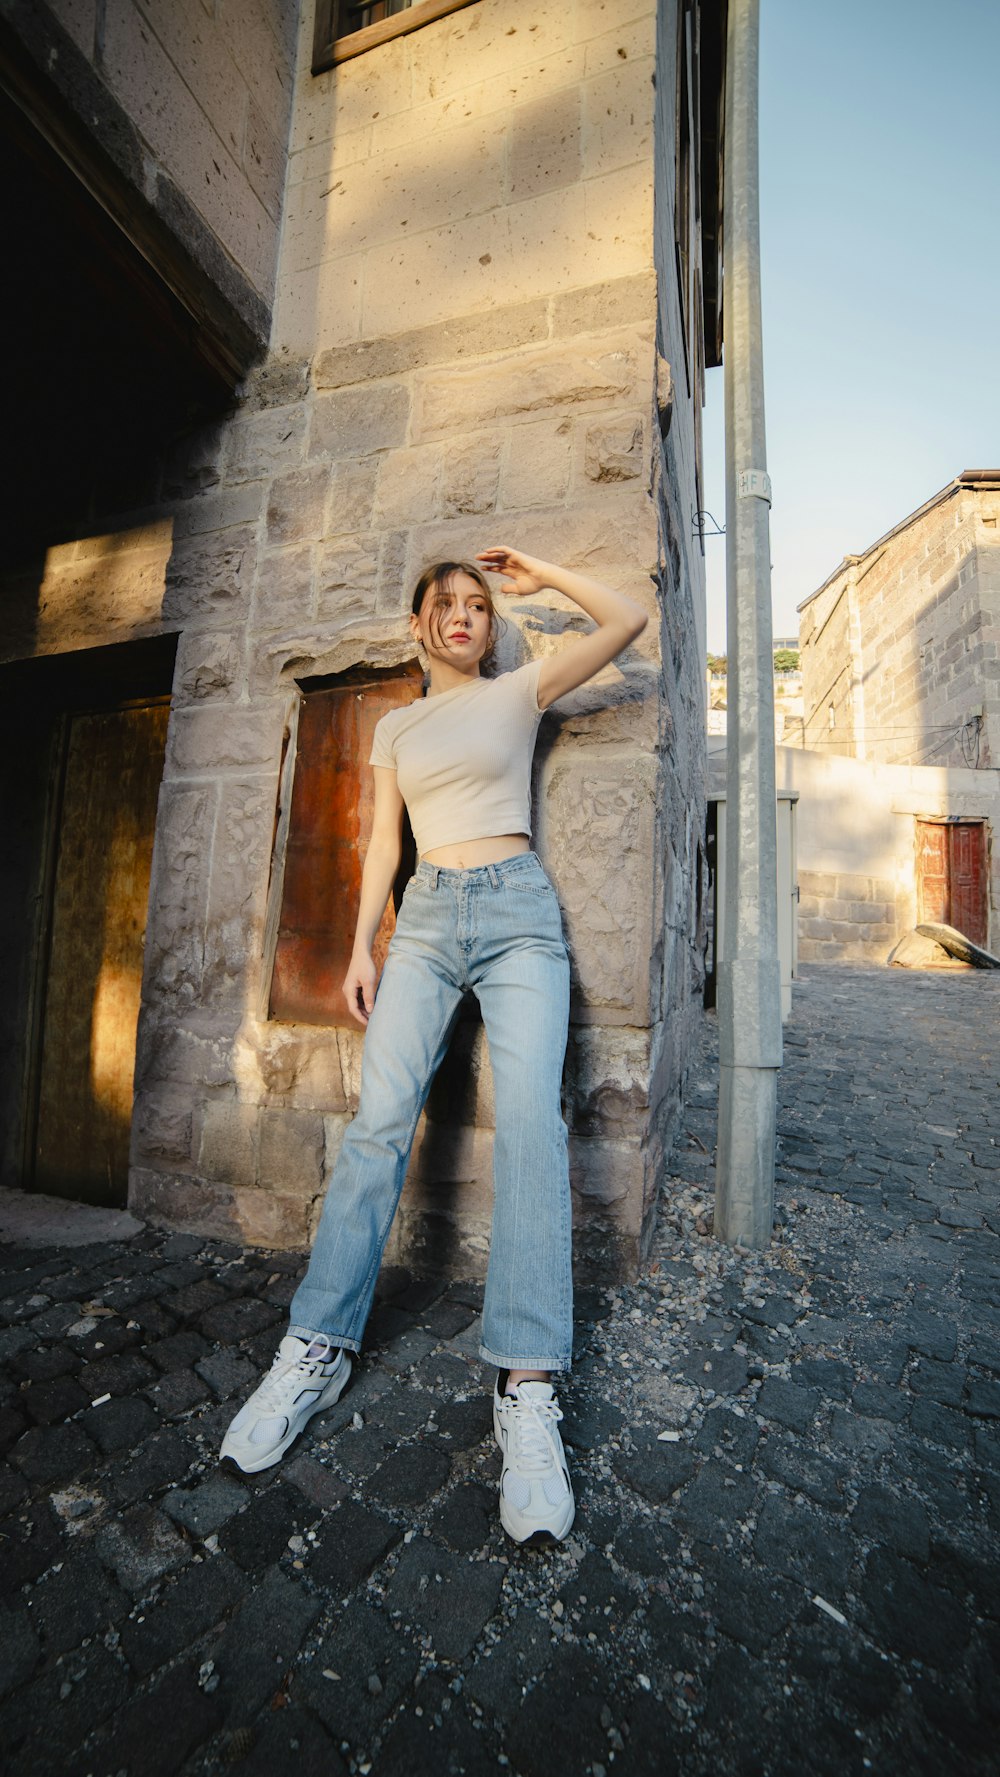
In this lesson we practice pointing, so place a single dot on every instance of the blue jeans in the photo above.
(496, 930)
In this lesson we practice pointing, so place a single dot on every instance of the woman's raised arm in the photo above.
(619, 619)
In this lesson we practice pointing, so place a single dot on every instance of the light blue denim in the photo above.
(496, 931)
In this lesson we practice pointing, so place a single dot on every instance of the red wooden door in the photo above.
(329, 827)
(952, 876)
(968, 879)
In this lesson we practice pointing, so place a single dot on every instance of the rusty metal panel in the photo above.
(329, 829)
(114, 764)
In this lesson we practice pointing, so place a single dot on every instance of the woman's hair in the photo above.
(437, 579)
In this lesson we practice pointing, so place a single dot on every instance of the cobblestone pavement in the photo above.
(787, 1468)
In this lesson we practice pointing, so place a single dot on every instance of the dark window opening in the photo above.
(322, 850)
(345, 29)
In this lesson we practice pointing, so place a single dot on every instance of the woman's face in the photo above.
(454, 621)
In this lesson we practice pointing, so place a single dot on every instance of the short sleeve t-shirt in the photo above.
(463, 758)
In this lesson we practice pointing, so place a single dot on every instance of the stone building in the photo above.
(899, 791)
(899, 647)
(298, 311)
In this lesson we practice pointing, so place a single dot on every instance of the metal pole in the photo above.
(749, 974)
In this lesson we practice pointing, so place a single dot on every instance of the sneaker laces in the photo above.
(535, 1422)
(270, 1394)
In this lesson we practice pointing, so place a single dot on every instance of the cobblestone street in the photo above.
(787, 1470)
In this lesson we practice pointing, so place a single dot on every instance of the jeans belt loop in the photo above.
(436, 868)
(494, 878)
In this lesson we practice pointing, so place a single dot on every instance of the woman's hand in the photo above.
(523, 574)
(359, 985)
(618, 618)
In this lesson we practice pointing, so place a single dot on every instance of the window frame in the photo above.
(329, 49)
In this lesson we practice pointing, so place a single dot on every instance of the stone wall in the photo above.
(846, 918)
(856, 830)
(903, 641)
(474, 342)
(182, 109)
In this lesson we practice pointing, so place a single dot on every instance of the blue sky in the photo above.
(881, 273)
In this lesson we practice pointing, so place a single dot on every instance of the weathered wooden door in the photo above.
(952, 876)
(329, 827)
(114, 763)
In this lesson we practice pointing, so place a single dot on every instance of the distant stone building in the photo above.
(301, 302)
(899, 789)
(900, 647)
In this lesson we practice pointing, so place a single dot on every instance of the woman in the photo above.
(479, 914)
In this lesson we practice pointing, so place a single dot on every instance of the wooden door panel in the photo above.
(330, 823)
(933, 894)
(967, 861)
(114, 764)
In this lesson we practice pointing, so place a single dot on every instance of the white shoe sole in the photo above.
(331, 1394)
(515, 1525)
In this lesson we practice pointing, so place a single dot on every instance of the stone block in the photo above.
(466, 336)
(264, 160)
(408, 486)
(220, 737)
(615, 708)
(352, 496)
(210, 663)
(596, 824)
(486, 42)
(102, 599)
(261, 444)
(618, 117)
(162, 1128)
(605, 1173)
(535, 379)
(210, 578)
(292, 1148)
(301, 1068)
(537, 469)
(284, 590)
(227, 1141)
(355, 422)
(613, 303)
(174, 935)
(234, 927)
(451, 1169)
(462, 1092)
(140, 1548)
(234, 508)
(194, 464)
(394, 593)
(451, 1598)
(424, 190)
(353, 1543)
(470, 475)
(296, 506)
(608, 1081)
(614, 452)
(278, 381)
(347, 575)
(544, 144)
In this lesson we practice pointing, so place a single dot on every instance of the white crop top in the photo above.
(463, 758)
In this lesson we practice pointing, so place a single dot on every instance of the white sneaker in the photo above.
(536, 1495)
(295, 1387)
